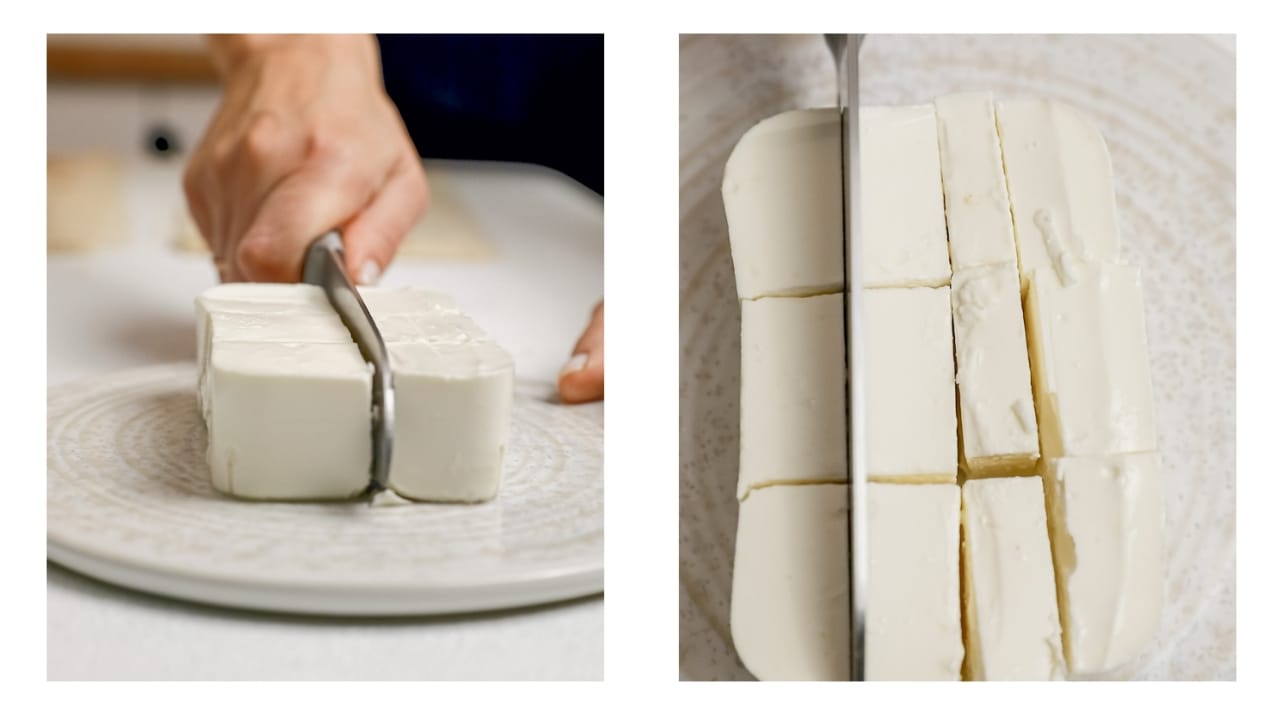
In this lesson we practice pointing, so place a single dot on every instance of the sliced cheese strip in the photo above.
(997, 416)
(910, 381)
(979, 226)
(793, 406)
(790, 615)
(1060, 186)
(1089, 362)
(289, 421)
(781, 193)
(1106, 523)
(1011, 609)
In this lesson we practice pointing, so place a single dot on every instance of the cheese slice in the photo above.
(793, 406)
(913, 612)
(1060, 187)
(904, 228)
(979, 226)
(789, 614)
(1089, 362)
(1106, 524)
(781, 193)
(997, 416)
(910, 382)
(1010, 606)
(289, 421)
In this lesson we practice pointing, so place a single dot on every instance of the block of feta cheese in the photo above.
(453, 418)
(913, 612)
(793, 406)
(904, 228)
(289, 421)
(453, 390)
(1012, 631)
(979, 226)
(1089, 363)
(782, 203)
(910, 379)
(997, 416)
(1060, 186)
(1106, 526)
(789, 613)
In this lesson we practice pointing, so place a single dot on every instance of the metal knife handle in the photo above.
(323, 266)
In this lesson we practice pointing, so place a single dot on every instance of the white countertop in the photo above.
(132, 306)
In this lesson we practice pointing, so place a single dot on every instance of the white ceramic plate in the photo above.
(130, 502)
(1166, 105)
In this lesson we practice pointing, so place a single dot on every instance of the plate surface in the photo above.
(130, 502)
(1166, 106)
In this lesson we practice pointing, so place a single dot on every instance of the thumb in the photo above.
(303, 206)
(372, 237)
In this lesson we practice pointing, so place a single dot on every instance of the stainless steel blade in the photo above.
(323, 266)
(855, 354)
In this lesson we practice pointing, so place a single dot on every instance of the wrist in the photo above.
(230, 52)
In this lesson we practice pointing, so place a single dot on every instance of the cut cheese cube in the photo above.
(913, 612)
(383, 302)
(782, 203)
(453, 419)
(1106, 524)
(447, 328)
(1089, 362)
(1060, 187)
(793, 404)
(979, 226)
(1012, 630)
(790, 608)
(997, 417)
(910, 382)
(904, 228)
(289, 421)
(789, 614)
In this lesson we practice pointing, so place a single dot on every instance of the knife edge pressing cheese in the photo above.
(287, 396)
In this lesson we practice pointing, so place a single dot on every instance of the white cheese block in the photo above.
(910, 381)
(289, 421)
(1012, 630)
(1060, 187)
(782, 203)
(453, 419)
(979, 226)
(997, 416)
(1089, 362)
(904, 228)
(913, 612)
(793, 406)
(789, 613)
(383, 302)
(1106, 523)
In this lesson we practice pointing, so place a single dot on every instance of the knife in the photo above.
(323, 266)
(844, 49)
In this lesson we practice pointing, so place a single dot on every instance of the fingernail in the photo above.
(576, 363)
(369, 273)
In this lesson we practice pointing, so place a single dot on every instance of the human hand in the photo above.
(582, 379)
(305, 141)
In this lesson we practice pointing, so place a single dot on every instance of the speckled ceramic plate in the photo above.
(1166, 105)
(130, 502)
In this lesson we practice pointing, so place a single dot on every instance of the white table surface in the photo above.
(132, 306)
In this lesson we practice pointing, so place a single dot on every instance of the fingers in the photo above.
(582, 379)
(304, 205)
(372, 237)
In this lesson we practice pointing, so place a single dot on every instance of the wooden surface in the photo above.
(130, 58)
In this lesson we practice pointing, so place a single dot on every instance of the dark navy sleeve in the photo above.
(519, 98)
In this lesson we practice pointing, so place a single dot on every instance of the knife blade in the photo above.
(855, 354)
(323, 266)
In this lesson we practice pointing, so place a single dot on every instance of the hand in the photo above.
(304, 141)
(582, 379)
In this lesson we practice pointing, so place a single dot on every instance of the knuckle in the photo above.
(262, 138)
(259, 259)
